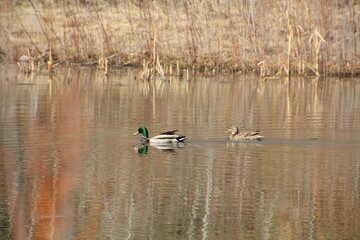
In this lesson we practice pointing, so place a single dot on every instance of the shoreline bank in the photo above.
(270, 39)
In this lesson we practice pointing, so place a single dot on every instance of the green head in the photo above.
(144, 132)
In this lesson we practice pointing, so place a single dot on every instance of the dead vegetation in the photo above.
(309, 37)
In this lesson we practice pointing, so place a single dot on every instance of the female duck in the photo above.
(240, 136)
(165, 137)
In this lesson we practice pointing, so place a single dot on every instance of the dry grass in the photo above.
(268, 37)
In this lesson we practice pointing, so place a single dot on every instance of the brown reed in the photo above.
(313, 37)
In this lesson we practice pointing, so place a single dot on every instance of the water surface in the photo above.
(71, 169)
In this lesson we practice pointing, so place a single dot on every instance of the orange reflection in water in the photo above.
(48, 173)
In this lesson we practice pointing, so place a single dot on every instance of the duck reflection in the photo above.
(165, 147)
(142, 150)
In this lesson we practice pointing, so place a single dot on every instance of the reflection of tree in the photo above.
(47, 160)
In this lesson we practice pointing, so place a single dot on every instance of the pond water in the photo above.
(70, 167)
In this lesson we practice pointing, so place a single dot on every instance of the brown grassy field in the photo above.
(297, 37)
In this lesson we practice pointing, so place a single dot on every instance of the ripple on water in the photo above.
(69, 158)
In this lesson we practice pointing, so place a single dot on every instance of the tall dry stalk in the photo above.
(191, 34)
(290, 36)
(23, 28)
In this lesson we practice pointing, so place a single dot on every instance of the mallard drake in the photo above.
(239, 136)
(165, 137)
